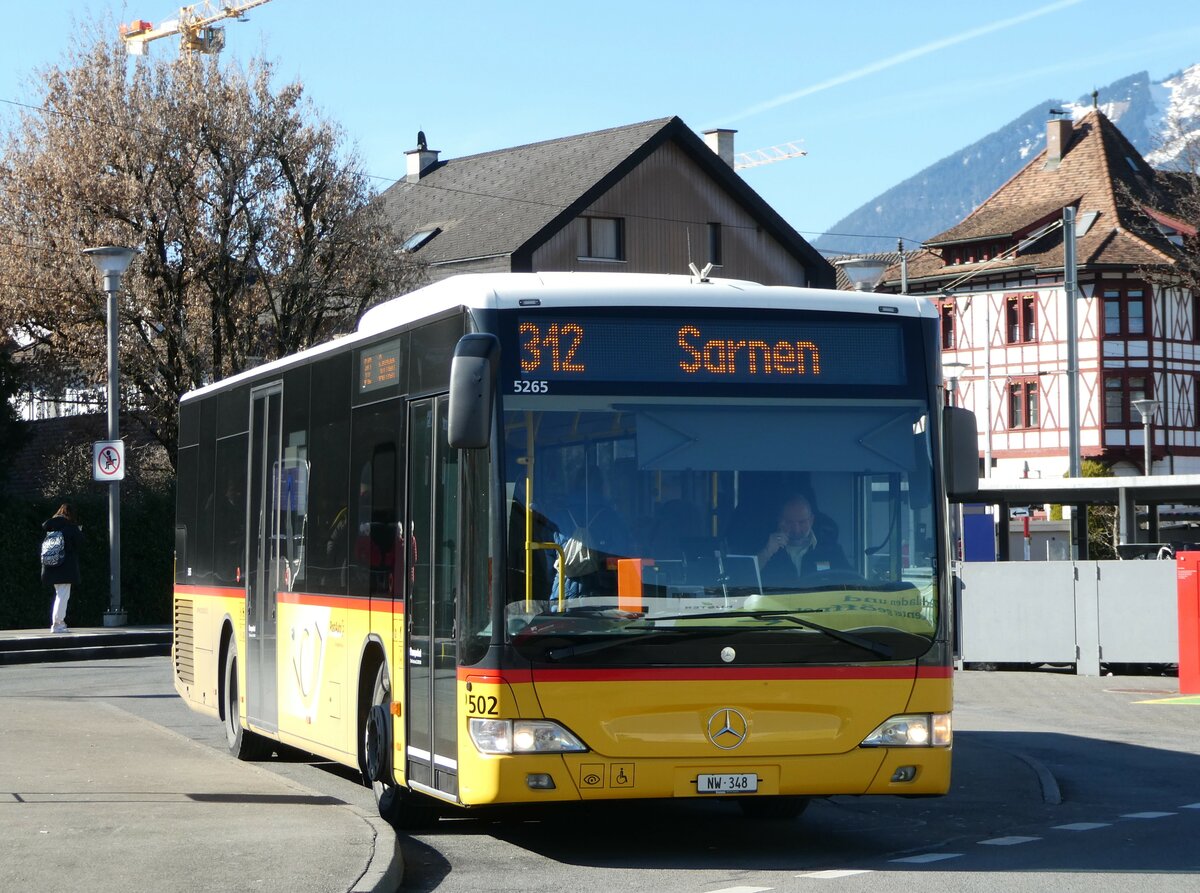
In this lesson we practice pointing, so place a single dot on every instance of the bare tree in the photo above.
(255, 225)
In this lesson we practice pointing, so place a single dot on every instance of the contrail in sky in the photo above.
(906, 56)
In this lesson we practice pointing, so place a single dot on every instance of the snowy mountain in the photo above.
(1156, 117)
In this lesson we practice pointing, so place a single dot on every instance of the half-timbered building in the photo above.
(998, 278)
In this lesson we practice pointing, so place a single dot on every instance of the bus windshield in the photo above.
(639, 522)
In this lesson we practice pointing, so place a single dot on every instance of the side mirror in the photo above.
(961, 451)
(472, 390)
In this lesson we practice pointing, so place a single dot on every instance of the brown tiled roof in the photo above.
(507, 202)
(1101, 172)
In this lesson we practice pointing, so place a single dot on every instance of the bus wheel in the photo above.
(398, 806)
(243, 744)
(773, 809)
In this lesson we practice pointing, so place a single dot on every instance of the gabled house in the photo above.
(998, 278)
(646, 198)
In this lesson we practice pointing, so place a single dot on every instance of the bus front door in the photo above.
(433, 525)
(262, 564)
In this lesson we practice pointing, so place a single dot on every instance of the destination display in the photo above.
(379, 366)
(843, 352)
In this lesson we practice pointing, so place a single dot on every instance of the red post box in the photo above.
(1187, 578)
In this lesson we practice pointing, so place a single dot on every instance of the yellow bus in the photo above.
(560, 537)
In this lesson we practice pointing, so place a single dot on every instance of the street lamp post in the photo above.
(1146, 409)
(111, 262)
(864, 273)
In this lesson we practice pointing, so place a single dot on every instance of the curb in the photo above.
(1051, 793)
(385, 869)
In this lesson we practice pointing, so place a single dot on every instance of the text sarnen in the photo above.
(735, 356)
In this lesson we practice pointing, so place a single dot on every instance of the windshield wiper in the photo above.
(878, 648)
(604, 644)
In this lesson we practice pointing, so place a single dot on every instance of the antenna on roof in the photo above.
(1095, 99)
(1058, 111)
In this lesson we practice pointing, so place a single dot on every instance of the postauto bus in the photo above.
(508, 543)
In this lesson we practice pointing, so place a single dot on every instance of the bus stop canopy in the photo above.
(1182, 490)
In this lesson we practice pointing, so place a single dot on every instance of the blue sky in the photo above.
(874, 90)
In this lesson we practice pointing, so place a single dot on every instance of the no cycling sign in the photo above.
(108, 460)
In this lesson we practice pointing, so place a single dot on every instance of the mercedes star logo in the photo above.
(727, 728)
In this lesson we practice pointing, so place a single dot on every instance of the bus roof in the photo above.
(503, 291)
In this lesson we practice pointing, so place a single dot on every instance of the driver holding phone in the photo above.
(793, 550)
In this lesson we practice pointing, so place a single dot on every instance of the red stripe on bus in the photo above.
(298, 598)
(699, 673)
(362, 603)
(211, 591)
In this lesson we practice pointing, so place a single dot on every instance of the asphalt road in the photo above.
(1060, 782)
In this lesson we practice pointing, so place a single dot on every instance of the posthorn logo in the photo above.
(727, 728)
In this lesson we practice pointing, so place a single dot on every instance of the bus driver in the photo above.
(793, 551)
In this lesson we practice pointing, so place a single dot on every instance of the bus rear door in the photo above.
(262, 578)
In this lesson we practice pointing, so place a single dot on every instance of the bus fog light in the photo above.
(912, 730)
(905, 773)
(539, 781)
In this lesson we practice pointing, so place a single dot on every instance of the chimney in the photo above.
(420, 159)
(720, 140)
(1058, 134)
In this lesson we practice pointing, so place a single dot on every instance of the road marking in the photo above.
(1190, 806)
(836, 873)
(1082, 826)
(1008, 841)
(1147, 815)
(928, 857)
(743, 890)
(1186, 700)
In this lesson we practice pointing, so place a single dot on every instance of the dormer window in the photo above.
(419, 239)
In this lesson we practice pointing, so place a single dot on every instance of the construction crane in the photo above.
(769, 155)
(195, 25)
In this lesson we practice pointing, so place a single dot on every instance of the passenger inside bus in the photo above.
(591, 532)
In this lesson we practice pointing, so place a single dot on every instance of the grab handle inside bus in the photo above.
(472, 390)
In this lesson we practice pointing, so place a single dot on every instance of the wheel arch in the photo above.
(226, 637)
(373, 656)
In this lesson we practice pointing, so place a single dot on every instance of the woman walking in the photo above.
(60, 561)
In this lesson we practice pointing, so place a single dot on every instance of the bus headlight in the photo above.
(912, 730)
(522, 736)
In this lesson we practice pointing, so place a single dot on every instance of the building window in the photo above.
(1023, 408)
(714, 244)
(1125, 310)
(419, 239)
(947, 314)
(602, 238)
(1120, 390)
(1021, 317)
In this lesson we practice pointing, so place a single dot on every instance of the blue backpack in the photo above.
(54, 549)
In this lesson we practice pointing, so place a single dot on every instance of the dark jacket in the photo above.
(779, 571)
(68, 571)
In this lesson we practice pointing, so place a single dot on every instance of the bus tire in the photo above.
(243, 744)
(773, 809)
(398, 806)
